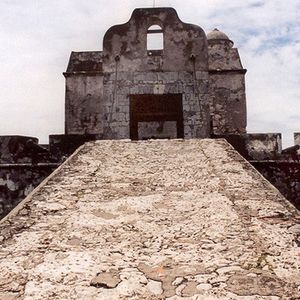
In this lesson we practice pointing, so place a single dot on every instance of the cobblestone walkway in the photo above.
(152, 220)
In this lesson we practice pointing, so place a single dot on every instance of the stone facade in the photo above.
(204, 71)
(172, 219)
(256, 146)
(227, 86)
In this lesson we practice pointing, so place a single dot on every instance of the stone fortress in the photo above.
(156, 78)
(147, 199)
(189, 86)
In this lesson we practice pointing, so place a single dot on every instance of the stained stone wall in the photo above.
(99, 84)
(256, 146)
(83, 106)
(297, 140)
(205, 70)
(15, 149)
(130, 69)
(128, 43)
(18, 180)
(284, 175)
(228, 102)
(264, 146)
(194, 97)
(227, 86)
(84, 91)
(23, 165)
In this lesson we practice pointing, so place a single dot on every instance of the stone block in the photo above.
(142, 77)
(202, 75)
(185, 76)
(167, 77)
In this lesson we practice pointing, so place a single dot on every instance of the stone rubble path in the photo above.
(177, 219)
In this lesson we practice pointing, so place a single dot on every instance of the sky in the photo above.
(37, 37)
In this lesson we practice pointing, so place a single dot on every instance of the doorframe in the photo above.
(173, 113)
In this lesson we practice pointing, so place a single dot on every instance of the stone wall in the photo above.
(127, 44)
(14, 149)
(99, 85)
(194, 93)
(262, 146)
(227, 85)
(297, 140)
(256, 146)
(63, 145)
(18, 180)
(228, 102)
(284, 175)
(205, 70)
(23, 165)
(84, 112)
(23, 149)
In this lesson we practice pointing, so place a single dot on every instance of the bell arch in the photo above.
(155, 38)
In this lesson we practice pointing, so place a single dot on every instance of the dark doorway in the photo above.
(156, 116)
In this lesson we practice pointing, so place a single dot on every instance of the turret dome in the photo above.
(217, 35)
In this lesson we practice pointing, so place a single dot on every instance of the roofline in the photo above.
(219, 71)
(86, 73)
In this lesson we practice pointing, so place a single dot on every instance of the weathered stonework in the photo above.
(280, 167)
(227, 86)
(284, 175)
(177, 219)
(100, 85)
(85, 115)
(297, 140)
(23, 165)
(19, 149)
(18, 180)
(193, 86)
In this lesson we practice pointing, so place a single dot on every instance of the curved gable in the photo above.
(127, 43)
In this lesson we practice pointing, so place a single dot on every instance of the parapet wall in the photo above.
(280, 167)
(24, 164)
(284, 175)
(18, 180)
(256, 146)
(16, 149)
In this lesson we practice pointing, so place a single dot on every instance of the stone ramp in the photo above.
(178, 219)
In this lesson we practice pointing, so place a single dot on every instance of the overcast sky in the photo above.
(37, 37)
